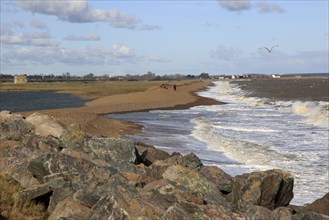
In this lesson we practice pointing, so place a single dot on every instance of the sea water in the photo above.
(247, 134)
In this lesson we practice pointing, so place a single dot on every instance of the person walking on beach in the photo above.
(174, 87)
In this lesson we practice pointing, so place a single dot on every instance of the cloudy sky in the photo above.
(165, 37)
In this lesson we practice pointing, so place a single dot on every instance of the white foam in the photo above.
(263, 134)
(315, 113)
(253, 155)
(246, 129)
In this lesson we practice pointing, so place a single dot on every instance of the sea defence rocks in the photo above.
(77, 176)
(45, 125)
(320, 205)
(270, 189)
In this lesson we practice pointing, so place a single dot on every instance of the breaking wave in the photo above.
(315, 113)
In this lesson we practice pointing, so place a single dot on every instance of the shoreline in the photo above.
(91, 117)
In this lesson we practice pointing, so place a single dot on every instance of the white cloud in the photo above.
(122, 51)
(266, 7)
(72, 57)
(80, 12)
(22, 50)
(28, 39)
(7, 28)
(149, 27)
(225, 53)
(87, 56)
(309, 59)
(38, 24)
(25, 56)
(114, 16)
(51, 55)
(8, 7)
(86, 37)
(281, 62)
(235, 5)
(62, 9)
(240, 5)
(156, 59)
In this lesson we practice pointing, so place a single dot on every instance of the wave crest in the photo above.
(316, 113)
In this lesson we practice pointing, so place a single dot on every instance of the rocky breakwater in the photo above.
(77, 176)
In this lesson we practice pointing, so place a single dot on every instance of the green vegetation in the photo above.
(89, 90)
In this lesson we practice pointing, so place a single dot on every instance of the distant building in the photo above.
(20, 79)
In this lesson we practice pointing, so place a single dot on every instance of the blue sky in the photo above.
(164, 37)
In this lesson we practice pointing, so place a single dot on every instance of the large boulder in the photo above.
(148, 153)
(270, 189)
(191, 161)
(194, 182)
(320, 205)
(109, 207)
(111, 150)
(46, 125)
(73, 139)
(298, 213)
(15, 156)
(7, 115)
(13, 126)
(222, 180)
(69, 209)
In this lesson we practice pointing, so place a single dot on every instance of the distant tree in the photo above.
(66, 75)
(204, 76)
(89, 76)
(6, 78)
(149, 76)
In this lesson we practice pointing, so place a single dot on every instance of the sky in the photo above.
(119, 37)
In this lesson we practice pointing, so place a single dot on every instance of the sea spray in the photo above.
(315, 113)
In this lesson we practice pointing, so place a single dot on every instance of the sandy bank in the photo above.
(90, 117)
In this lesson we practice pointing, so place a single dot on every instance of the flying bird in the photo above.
(269, 50)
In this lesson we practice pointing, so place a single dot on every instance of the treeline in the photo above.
(91, 77)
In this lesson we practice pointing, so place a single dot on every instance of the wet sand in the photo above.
(90, 118)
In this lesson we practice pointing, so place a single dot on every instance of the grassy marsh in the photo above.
(89, 90)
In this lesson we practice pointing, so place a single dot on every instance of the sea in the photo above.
(262, 125)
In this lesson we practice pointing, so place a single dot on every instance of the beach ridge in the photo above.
(91, 117)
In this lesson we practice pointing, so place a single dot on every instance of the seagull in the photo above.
(269, 50)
